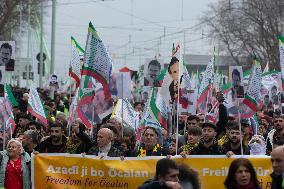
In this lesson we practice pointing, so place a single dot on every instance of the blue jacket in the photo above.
(26, 163)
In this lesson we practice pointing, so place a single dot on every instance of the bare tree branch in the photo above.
(245, 27)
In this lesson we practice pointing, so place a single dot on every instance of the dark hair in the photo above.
(278, 115)
(193, 117)
(187, 174)
(136, 104)
(163, 166)
(37, 124)
(194, 130)
(233, 125)
(126, 141)
(82, 127)
(56, 124)
(173, 61)
(278, 142)
(154, 63)
(236, 72)
(23, 116)
(6, 46)
(230, 182)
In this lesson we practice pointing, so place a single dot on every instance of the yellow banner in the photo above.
(77, 172)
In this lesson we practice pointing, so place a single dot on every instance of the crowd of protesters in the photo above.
(196, 136)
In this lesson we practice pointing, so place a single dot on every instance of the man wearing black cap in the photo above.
(208, 146)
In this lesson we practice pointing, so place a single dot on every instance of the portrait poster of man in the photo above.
(7, 55)
(145, 94)
(102, 105)
(171, 80)
(236, 77)
(53, 80)
(152, 69)
(173, 71)
(271, 86)
(274, 95)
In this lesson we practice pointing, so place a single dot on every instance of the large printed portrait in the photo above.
(152, 69)
(7, 55)
(236, 77)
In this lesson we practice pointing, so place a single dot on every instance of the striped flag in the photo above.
(35, 106)
(9, 96)
(75, 67)
(85, 103)
(10, 102)
(253, 92)
(97, 61)
(6, 116)
(155, 113)
(205, 85)
(130, 116)
(159, 107)
(73, 107)
(186, 88)
(281, 52)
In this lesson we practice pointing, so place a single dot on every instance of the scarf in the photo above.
(72, 145)
(249, 186)
(155, 152)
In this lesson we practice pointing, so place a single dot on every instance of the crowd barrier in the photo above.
(65, 171)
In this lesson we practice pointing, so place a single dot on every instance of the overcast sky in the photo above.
(133, 30)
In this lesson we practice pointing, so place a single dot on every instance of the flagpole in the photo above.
(4, 132)
(70, 102)
(240, 127)
(93, 117)
(122, 105)
(213, 108)
(256, 123)
(211, 87)
(206, 106)
(173, 118)
(179, 77)
(4, 125)
(70, 99)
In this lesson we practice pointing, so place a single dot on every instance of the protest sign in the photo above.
(7, 55)
(75, 171)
